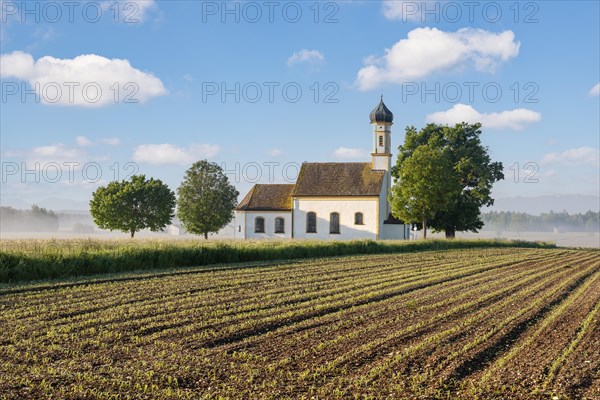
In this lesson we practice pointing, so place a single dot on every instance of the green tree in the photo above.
(426, 182)
(130, 206)
(206, 199)
(474, 172)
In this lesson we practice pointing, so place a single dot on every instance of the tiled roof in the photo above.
(338, 179)
(261, 197)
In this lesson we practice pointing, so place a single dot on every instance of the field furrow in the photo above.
(502, 323)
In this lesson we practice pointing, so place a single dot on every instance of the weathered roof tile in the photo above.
(338, 179)
(275, 197)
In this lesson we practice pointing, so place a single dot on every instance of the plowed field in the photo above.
(492, 323)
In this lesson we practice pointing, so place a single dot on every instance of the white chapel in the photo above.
(329, 200)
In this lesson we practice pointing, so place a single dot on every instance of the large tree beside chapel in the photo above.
(472, 169)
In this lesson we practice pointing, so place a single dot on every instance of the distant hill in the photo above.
(540, 204)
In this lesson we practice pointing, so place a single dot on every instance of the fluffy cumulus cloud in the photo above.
(87, 80)
(347, 153)
(595, 91)
(516, 119)
(166, 153)
(577, 156)
(312, 57)
(429, 50)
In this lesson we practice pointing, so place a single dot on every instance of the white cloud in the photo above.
(515, 119)
(275, 153)
(83, 141)
(170, 154)
(55, 152)
(16, 64)
(68, 157)
(312, 57)
(595, 91)
(578, 156)
(51, 156)
(347, 153)
(76, 81)
(429, 50)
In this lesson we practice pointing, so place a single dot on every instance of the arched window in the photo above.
(311, 222)
(334, 222)
(279, 225)
(259, 225)
(381, 141)
(358, 219)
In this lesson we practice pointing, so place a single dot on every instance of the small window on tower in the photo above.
(381, 141)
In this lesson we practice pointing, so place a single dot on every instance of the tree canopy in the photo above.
(130, 206)
(426, 185)
(472, 168)
(206, 199)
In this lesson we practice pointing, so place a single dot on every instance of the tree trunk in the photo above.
(206, 235)
(132, 233)
(424, 228)
(450, 232)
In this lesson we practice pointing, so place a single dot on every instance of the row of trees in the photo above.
(37, 219)
(205, 202)
(546, 222)
(443, 176)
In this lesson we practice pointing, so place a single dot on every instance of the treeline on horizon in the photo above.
(546, 222)
(38, 219)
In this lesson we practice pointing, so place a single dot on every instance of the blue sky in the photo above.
(187, 80)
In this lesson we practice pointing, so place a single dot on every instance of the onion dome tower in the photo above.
(382, 120)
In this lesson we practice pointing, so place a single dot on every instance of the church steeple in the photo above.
(382, 119)
(381, 113)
